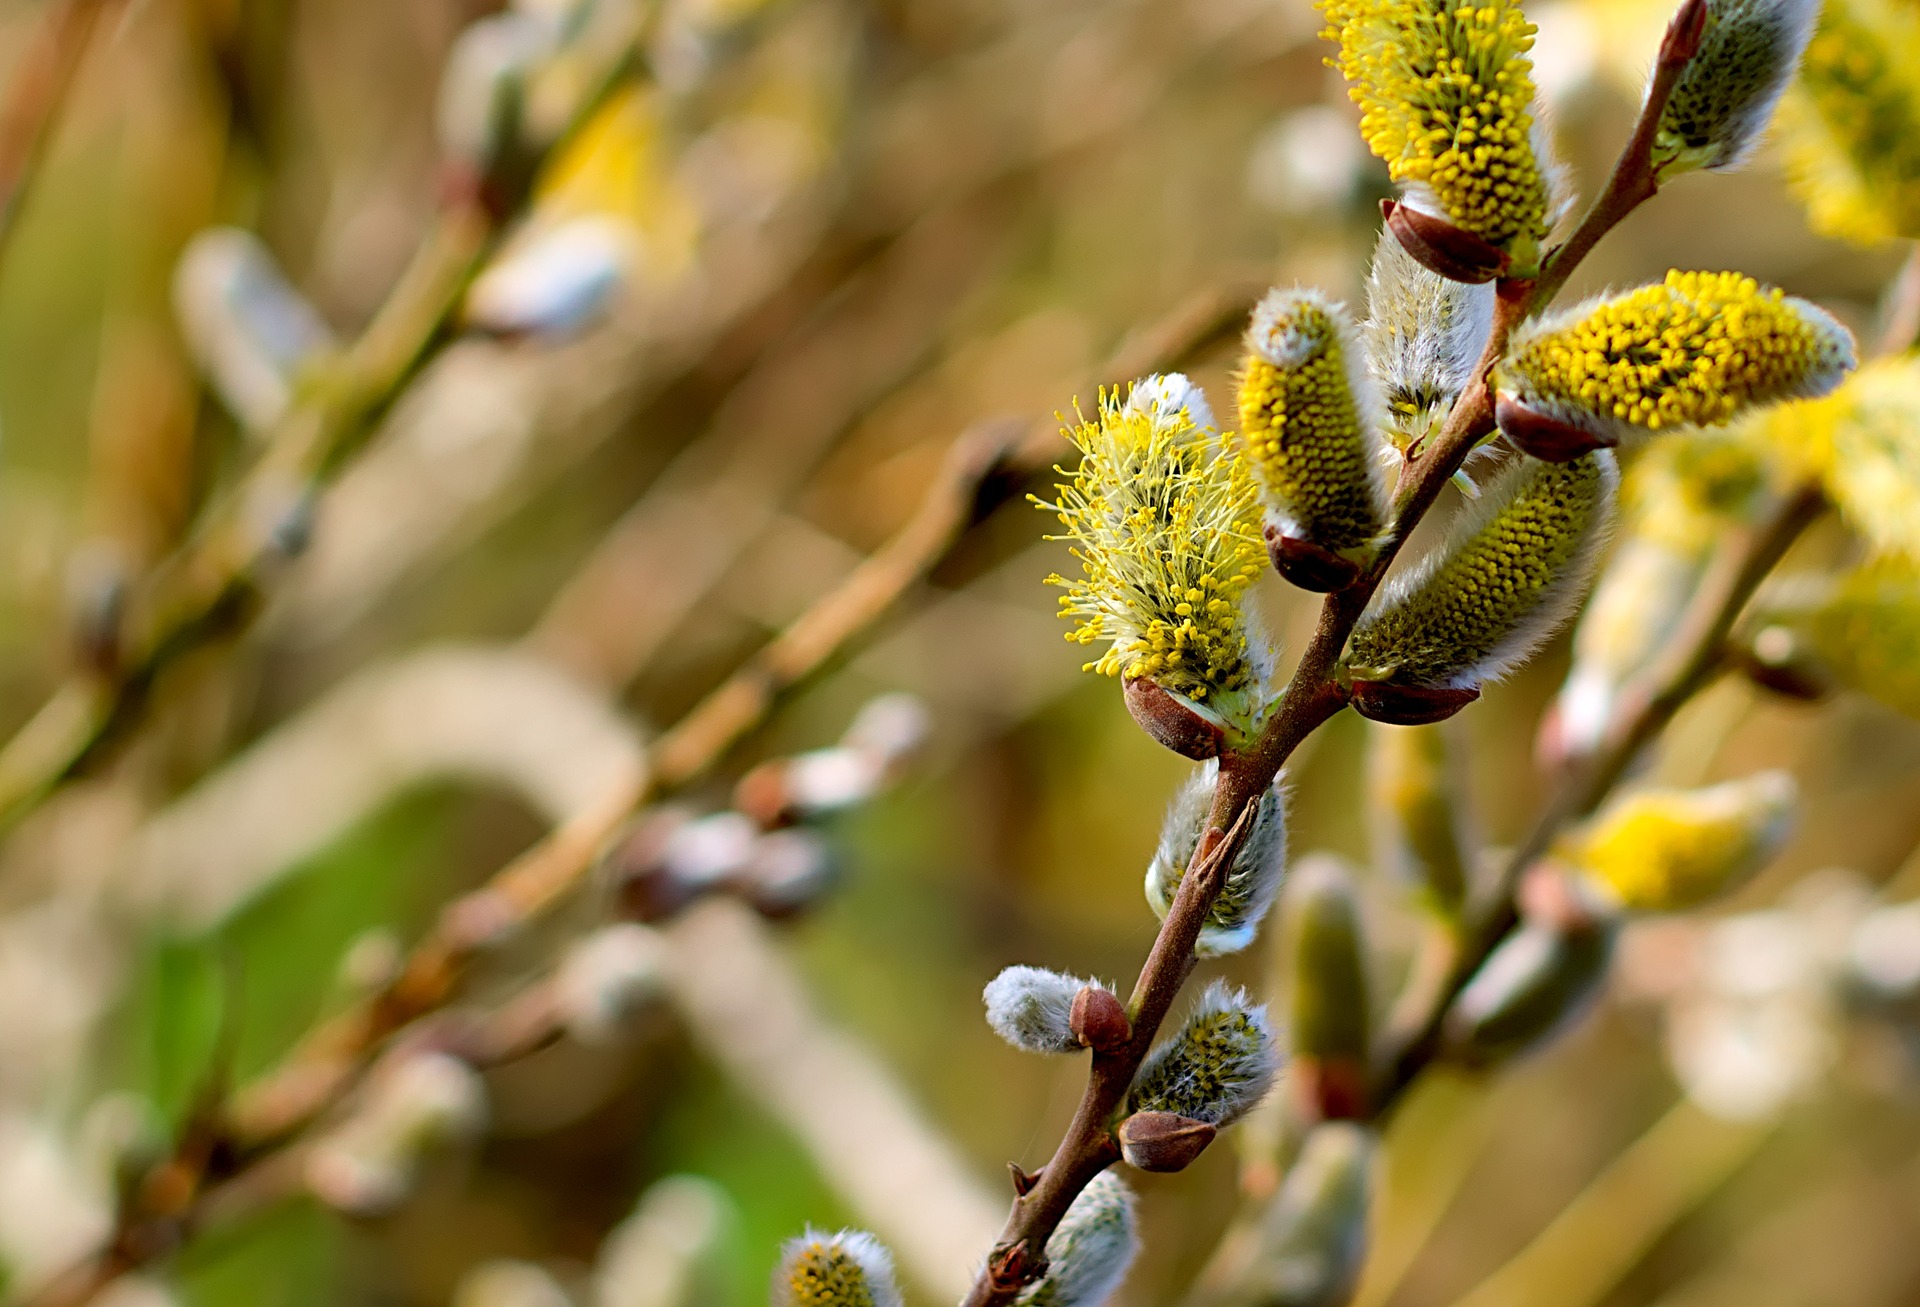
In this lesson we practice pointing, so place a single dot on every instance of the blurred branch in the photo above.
(1579, 1259)
(1900, 311)
(41, 82)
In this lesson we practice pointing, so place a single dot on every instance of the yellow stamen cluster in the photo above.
(1446, 98)
(1866, 631)
(1694, 349)
(849, 1269)
(1488, 597)
(1307, 425)
(1852, 125)
(1671, 850)
(1164, 522)
(1863, 442)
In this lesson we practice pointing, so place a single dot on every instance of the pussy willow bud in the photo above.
(1312, 1238)
(789, 872)
(605, 977)
(878, 744)
(671, 1252)
(508, 1283)
(1474, 609)
(246, 327)
(1670, 850)
(554, 281)
(413, 1102)
(1459, 142)
(1217, 1068)
(1163, 1142)
(848, 1269)
(1418, 813)
(1310, 422)
(1866, 630)
(1423, 335)
(1859, 442)
(1253, 879)
(1851, 126)
(1749, 52)
(1540, 977)
(1090, 1251)
(1032, 1009)
(1163, 519)
(1693, 350)
(1332, 1005)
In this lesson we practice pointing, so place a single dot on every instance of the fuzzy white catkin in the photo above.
(368, 1163)
(1032, 1008)
(605, 976)
(1164, 396)
(1217, 1068)
(1253, 881)
(1423, 334)
(248, 330)
(848, 1269)
(1091, 1250)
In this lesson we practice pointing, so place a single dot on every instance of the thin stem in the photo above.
(41, 84)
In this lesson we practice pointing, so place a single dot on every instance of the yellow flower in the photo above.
(1670, 850)
(1866, 632)
(848, 1269)
(1446, 99)
(1851, 127)
(1693, 350)
(1863, 442)
(1513, 568)
(1163, 519)
(1309, 424)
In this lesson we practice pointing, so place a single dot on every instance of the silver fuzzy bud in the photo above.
(1217, 1068)
(1090, 1251)
(1032, 1008)
(1253, 880)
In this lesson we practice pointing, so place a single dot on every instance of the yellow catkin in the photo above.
(1863, 442)
(1866, 631)
(833, 1271)
(1692, 350)
(1851, 125)
(1307, 423)
(1671, 850)
(1446, 100)
(1163, 518)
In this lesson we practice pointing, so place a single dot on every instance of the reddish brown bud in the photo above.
(1309, 566)
(1442, 247)
(1546, 438)
(1329, 1088)
(1780, 660)
(1409, 705)
(764, 795)
(1180, 724)
(1099, 1020)
(1684, 30)
(1163, 1141)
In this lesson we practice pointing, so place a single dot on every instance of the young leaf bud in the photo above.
(1671, 850)
(1312, 1237)
(1418, 813)
(1476, 607)
(1423, 334)
(1749, 52)
(1090, 1251)
(1099, 1019)
(1460, 144)
(249, 331)
(1310, 424)
(413, 1102)
(1032, 1009)
(1163, 519)
(1540, 977)
(1253, 879)
(1163, 1142)
(848, 1269)
(1694, 350)
(1851, 126)
(1332, 1005)
(1217, 1069)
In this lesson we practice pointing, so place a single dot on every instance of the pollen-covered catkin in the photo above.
(1859, 442)
(1446, 100)
(1512, 569)
(1866, 630)
(848, 1269)
(1310, 424)
(1217, 1068)
(1090, 1251)
(1748, 54)
(1253, 878)
(1851, 125)
(1692, 350)
(1162, 517)
(1671, 850)
(1423, 334)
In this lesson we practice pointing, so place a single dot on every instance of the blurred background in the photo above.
(333, 577)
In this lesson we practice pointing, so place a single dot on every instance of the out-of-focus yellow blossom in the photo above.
(1692, 350)
(1851, 126)
(1670, 850)
(1863, 442)
(1446, 100)
(1164, 520)
(1865, 630)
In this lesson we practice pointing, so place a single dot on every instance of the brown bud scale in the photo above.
(1178, 723)
(1099, 1020)
(1409, 705)
(1163, 1141)
(1309, 566)
(1442, 247)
